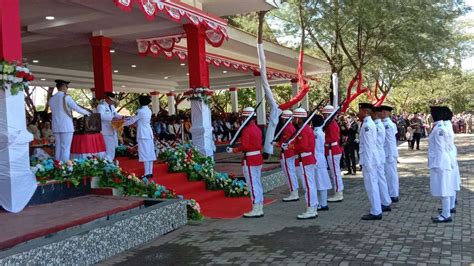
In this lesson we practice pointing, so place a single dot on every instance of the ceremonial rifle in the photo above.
(331, 116)
(237, 134)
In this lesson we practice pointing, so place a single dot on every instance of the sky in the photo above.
(468, 63)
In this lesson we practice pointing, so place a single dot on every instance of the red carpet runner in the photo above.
(214, 204)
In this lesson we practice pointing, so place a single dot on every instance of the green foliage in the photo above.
(249, 23)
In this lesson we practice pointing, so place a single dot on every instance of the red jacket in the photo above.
(251, 141)
(285, 136)
(333, 137)
(305, 143)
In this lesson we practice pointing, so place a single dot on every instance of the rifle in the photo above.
(281, 130)
(237, 134)
(331, 116)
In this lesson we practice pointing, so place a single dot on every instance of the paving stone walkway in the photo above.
(337, 237)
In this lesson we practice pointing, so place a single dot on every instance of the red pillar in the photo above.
(102, 64)
(10, 35)
(197, 65)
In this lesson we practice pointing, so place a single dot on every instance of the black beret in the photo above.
(386, 108)
(144, 100)
(365, 106)
(377, 109)
(317, 120)
(110, 95)
(60, 82)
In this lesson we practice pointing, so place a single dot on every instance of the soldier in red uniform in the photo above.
(251, 145)
(333, 151)
(287, 157)
(303, 147)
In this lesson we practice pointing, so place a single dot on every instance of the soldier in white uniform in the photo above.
(439, 163)
(323, 182)
(146, 145)
(384, 195)
(453, 153)
(391, 154)
(107, 112)
(368, 160)
(61, 106)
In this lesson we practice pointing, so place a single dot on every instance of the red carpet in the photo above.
(214, 204)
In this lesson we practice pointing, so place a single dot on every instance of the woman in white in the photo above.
(146, 146)
(323, 182)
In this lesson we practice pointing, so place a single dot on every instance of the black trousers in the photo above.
(350, 157)
(416, 138)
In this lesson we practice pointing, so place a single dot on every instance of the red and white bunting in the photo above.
(180, 13)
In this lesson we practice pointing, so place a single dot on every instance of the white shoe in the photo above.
(292, 197)
(257, 211)
(311, 213)
(338, 197)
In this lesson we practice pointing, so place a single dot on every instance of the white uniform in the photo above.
(323, 182)
(391, 156)
(439, 162)
(368, 160)
(62, 126)
(146, 146)
(453, 152)
(384, 195)
(107, 114)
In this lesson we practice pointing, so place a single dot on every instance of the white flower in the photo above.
(34, 169)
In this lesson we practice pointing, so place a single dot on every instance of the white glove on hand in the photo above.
(284, 146)
(230, 150)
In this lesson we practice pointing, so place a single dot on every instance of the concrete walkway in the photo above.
(404, 236)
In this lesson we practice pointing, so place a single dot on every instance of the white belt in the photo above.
(304, 154)
(252, 153)
(331, 144)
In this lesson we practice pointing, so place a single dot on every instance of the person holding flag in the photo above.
(251, 145)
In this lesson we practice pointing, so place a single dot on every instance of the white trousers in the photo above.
(111, 142)
(63, 142)
(335, 171)
(148, 167)
(288, 166)
(383, 188)
(323, 181)
(371, 183)
(391, 174)
(252, 177)
(306, 175)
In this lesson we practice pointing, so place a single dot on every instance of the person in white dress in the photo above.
(453, 153)
(146, 146)
(61, 106)
(107, 112)
(323, 182)
(439, 163)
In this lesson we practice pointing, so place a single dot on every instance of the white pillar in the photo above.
(260, 94)
(17, 182)
(234, 99)
(201, 130)
(171, 103)
(335, 89)
(155, 102)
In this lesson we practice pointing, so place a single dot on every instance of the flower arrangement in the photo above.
(199, 94)
(126, 151)
(194, 210)
(16, 75)
(187, 158)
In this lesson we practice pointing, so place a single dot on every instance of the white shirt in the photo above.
(380, 140)
(438, 151)
(368, 139)
(143, 121)
(107, 114)
(391, 150)
(62, 121)
(319, 148)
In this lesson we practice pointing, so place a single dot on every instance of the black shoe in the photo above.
(441, 219)
(348, 173)
(394, 199)
(453, 210)
(323, 208)
(369, 217)
(386, 208)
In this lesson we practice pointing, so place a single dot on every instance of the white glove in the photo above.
(284, 146)
(230, 150)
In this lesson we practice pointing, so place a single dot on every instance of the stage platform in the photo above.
(231, 163)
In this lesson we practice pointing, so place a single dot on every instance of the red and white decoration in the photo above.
(178, 12)
(167, 46)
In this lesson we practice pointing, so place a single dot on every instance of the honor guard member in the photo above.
(107, 112)
(304, 146)
(439, 163)
(453, 152)
(61, 106)
(380, 143)
(333, 152)
(251, 145)
(146, 145)
(323, 182)
(287, 157)
(391, 154)
(368, 160)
